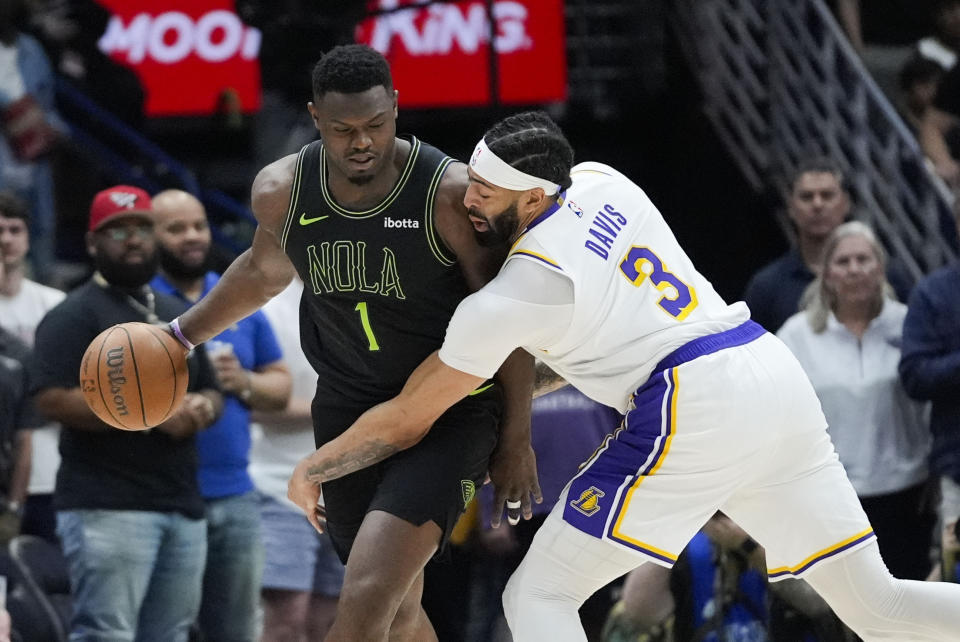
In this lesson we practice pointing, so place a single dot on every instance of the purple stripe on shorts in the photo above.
(646, 422)
(591, 496)
(666, 433)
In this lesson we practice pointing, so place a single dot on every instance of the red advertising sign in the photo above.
(439, 53)
(190, 55)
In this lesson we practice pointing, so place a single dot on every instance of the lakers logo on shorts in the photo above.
(589, 502)
(469, 489)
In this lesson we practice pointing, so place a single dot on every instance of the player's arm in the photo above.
(513, 464)
(471, 353)
(383, 430)
(257, 275)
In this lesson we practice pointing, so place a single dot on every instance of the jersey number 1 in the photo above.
(365, 322)
(640, 264)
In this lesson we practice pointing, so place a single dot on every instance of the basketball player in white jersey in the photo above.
(719, 414)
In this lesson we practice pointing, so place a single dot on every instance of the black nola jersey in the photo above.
(380, 286)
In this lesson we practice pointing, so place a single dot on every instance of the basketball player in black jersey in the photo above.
(376, 227)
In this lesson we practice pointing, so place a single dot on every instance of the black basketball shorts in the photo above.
(433, 480)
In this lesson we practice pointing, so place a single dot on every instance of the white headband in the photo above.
(493, 169)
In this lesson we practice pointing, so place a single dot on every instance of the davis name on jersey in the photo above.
(637, 296)
(605, 227)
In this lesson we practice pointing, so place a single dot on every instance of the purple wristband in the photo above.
(175, 328)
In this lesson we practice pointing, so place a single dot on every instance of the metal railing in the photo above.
(781, 82)
(127, 156)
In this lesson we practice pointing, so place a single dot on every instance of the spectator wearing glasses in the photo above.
(129, 511)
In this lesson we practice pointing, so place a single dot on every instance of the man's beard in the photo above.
(360, 179)
(126, 275)
(500, 232)
(179, 270)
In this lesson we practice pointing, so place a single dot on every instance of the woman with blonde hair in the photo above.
(847, 337)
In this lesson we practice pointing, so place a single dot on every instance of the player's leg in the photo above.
(877, 606)
(385, 563)
(416, 497)
(804, 511)
(811, 526)
(411, 621)
(642, 495)
(563, 568)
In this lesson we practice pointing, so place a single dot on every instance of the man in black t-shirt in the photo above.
(129, 511)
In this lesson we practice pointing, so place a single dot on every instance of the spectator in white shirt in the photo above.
(22, 304)
(847, 337)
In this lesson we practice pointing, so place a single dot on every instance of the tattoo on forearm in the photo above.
(352, 461)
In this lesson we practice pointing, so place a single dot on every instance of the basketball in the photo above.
(133, 376)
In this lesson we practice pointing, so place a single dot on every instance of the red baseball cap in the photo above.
(121, 200)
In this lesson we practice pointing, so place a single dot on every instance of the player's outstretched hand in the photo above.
(513, 471)
(306, 494)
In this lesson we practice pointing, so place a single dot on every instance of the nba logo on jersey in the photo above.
(575, 208)
(589, 502)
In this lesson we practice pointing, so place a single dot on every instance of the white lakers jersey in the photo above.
(636, 296)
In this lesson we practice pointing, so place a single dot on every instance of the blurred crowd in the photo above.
(882, 352)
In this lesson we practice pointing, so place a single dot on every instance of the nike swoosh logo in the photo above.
(307, 221)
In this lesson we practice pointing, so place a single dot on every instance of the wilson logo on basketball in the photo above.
(134, 376)
(115, 361)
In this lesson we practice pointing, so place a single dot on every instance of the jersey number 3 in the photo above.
(640, 264)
